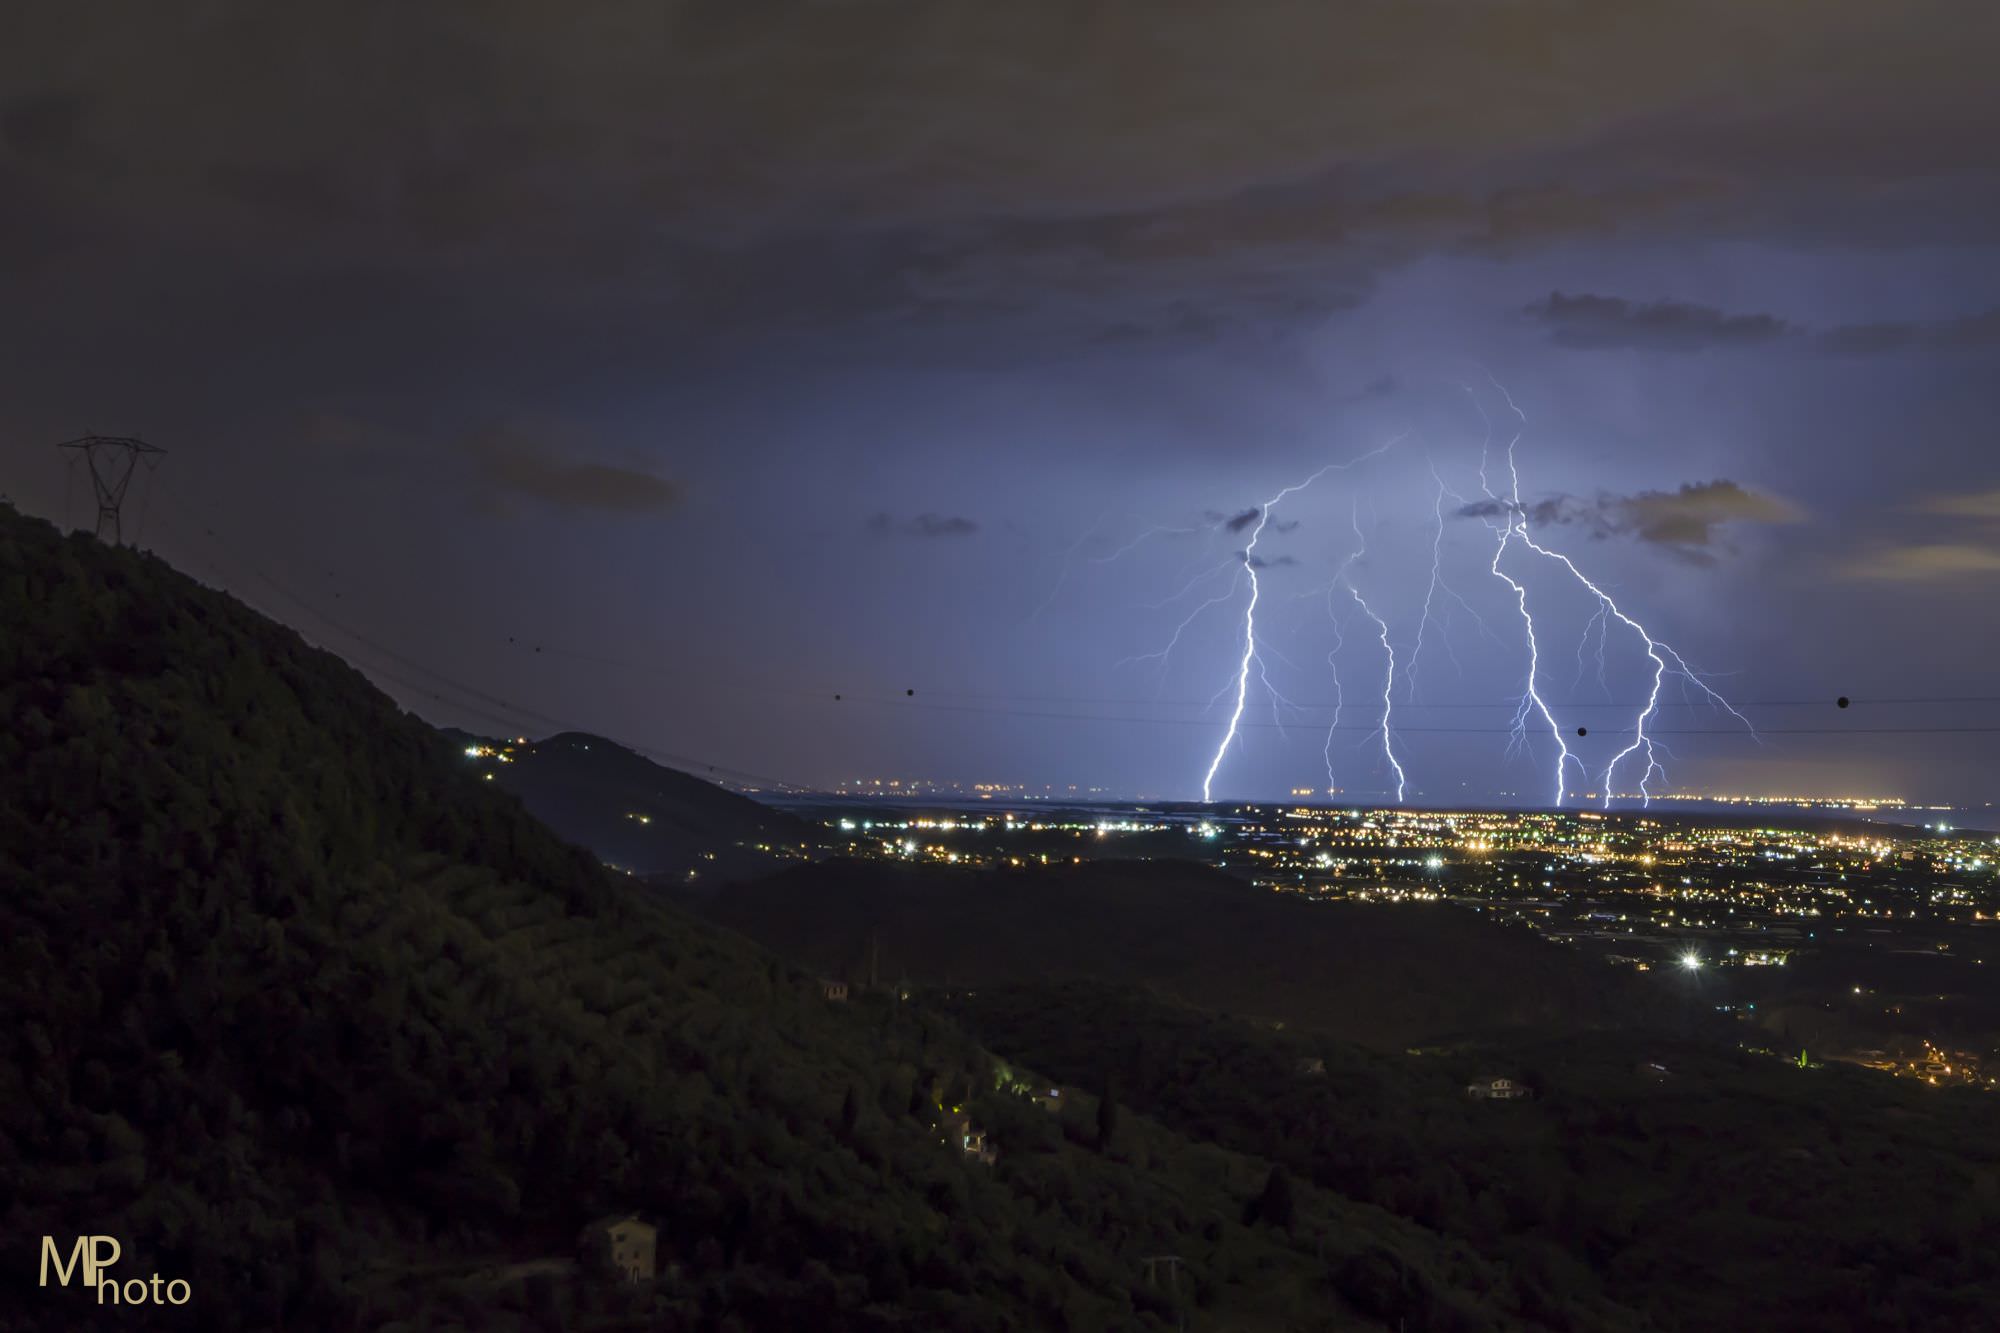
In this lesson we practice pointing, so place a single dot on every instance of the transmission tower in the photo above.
(113, 460)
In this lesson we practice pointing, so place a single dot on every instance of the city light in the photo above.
(1691, 961)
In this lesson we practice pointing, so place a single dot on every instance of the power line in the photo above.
(909, 701)
(510, 713)
(844, 695)
(1400, 730)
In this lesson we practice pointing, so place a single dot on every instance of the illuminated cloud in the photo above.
(1924, 563)
(1685, 522)
(1974, 504)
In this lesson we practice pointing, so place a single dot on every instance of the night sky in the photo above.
(666, 369)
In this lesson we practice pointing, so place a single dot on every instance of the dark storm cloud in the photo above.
(1238, 522)
(922, 525)
(1271, 561)
(1980, 330)
(41, 126)
(907, 158)
(1591, 321)
(1671, 326)
(1684, 522)
(517, 463)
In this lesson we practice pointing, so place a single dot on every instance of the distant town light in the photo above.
(1691, 961)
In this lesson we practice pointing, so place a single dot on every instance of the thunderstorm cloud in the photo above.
(1598, 322)
(1684, 522)
(1665, 326)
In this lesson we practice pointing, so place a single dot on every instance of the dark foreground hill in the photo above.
(303, 1014)
(1384, 975)
(638, 815)
(1711, 1187)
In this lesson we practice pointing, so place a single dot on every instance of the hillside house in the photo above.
(1049, 1099)
(1497, 1089)
(834, 991)
(631, 1244)
(972, 1141)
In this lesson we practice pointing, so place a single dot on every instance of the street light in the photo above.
(1691, 961)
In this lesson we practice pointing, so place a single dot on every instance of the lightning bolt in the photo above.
(1249, 559)
(1163, 655)
(1339, 696)
(1388, 650)
(1250, 628)
(1159, 530)
(1660, 654)
(1069, 559)
(1438, 584)
(1531, 697)
(1598, 622)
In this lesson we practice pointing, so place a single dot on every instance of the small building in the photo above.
(972, 1141)
(1309, 1065)
(1049, 1099)
(835, 991)
(631, 1244)
(1497, 1089)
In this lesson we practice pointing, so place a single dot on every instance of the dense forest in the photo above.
(304, 1014)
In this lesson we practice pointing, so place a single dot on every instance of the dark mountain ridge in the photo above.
(638, 815)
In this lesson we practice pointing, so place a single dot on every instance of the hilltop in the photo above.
(1383, 975)
(638, 815)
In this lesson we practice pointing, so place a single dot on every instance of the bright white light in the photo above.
(1691, 961)
(1434, 863)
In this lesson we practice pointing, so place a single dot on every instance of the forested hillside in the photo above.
(304, 1014)
(1709, 1187)
(638, 815)
(1381, 975)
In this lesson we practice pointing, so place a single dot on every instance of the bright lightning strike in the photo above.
(1249, 558)
(1657, 652)
(1339, 696)
(1388, 650)
(1249, 629)
(1531, 697)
